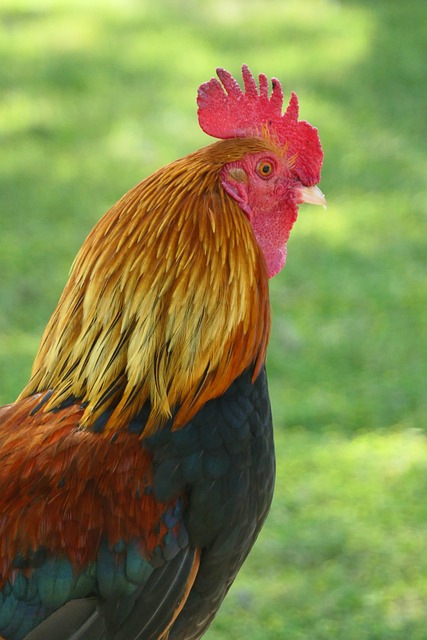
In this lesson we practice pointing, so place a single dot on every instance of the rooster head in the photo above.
(270, 184)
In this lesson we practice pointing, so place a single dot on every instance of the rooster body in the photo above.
(137, 466)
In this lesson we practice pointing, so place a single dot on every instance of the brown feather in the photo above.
(62, 487)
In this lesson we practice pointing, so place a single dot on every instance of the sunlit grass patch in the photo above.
(339, 554)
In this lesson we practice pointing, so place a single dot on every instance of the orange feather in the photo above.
(167, 300)
(91, 484)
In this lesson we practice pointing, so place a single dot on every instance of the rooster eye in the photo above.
(265, 168)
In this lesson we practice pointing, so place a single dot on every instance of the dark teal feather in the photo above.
(219, 471)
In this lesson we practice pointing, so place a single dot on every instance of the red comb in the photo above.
(225, 111)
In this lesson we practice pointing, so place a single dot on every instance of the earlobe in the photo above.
(232, 183)
(238, 175)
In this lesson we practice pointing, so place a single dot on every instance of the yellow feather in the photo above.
(167, 300)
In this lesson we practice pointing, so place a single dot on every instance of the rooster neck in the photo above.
(167, 302)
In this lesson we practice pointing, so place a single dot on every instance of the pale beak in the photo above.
(311, 195)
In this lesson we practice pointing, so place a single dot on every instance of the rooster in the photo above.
(137, 466)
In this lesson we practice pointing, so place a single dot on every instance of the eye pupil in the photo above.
(265, 168)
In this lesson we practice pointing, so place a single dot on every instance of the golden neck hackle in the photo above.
(167, 300)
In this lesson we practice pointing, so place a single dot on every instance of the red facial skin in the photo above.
(266, 190)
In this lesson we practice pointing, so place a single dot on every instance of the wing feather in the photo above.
(87, 551)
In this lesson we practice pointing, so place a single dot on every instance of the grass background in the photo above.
(96, 95)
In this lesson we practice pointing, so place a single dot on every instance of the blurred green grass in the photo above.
(93, 97)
